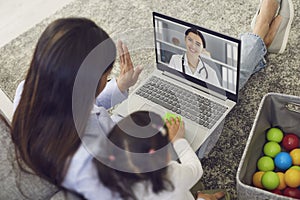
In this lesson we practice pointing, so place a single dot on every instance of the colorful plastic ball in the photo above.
(292, 192)
(282, 184)
(265, 163)
(272, 149)
(290, 141)
(277, 191)
(292, 178)
(274, 135)
(256, 179)
(283, 161)
(295, 154)
(270, 180)
(295, 167)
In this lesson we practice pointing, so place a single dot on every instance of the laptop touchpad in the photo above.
(153, 108)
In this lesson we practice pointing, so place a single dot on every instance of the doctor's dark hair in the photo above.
(43, 128)
(155, 147)
(195, 31)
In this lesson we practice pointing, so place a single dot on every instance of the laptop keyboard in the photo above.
(181, 101)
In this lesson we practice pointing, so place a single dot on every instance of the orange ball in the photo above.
(295, 154)
(292, 178)
(282, 183)
(256, 179)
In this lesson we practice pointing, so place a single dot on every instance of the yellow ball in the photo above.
(282, 183)
(292, 178)
(256, 179)
(295, 154)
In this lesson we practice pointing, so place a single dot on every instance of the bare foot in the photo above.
(215, 196)
(273, 30)
(265, 17)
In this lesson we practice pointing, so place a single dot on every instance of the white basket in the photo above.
(274, 110)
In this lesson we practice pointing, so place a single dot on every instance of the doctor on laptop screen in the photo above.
(192, 62)
(199, 53)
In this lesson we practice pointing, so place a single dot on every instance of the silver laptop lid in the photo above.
(204, 57)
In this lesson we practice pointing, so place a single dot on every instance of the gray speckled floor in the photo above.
(230, 17)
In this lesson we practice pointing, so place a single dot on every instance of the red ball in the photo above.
(290, 141)
(277, 191)
(292, 192)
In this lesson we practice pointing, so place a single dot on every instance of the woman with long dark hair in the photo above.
(55, 105)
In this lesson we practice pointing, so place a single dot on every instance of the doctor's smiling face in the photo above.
(194, 43)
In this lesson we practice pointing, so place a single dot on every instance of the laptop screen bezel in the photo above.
(230, 95)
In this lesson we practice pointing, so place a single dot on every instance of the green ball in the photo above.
(272, 149)
(275, 135)
(169, 115)
(295, 167)
(270, 180)
(265, 163)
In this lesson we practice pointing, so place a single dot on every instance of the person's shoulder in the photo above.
(82, 155)
(175, 61)
(176, 56)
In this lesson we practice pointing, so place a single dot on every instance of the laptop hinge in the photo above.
(198, 87)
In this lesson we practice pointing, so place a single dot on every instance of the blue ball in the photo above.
(283, 161)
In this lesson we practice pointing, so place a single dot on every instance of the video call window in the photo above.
(199, 54)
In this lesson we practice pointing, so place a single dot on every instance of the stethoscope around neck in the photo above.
(202, 68)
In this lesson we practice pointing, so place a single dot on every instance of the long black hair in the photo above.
(141, 132)
(43, 128)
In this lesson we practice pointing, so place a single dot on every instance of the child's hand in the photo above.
(176, 128)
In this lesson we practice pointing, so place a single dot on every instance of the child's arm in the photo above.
(190, 170)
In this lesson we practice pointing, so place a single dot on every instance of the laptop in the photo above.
(202, 104)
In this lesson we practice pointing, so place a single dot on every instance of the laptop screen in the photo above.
(199, 55)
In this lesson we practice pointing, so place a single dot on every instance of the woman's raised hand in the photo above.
(128, 75)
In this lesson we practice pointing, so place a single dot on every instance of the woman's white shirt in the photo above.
(81, 175)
